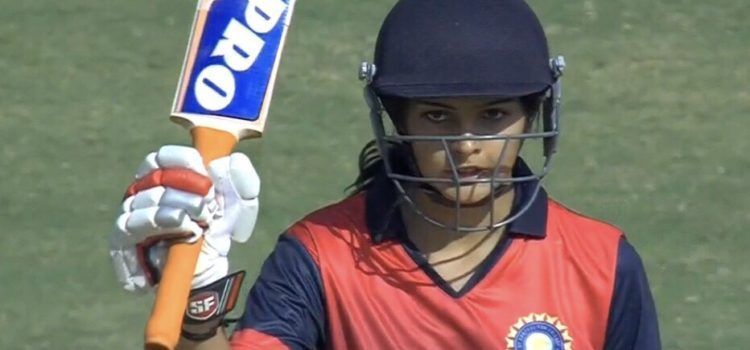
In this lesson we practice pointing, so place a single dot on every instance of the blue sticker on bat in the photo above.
(238, 49)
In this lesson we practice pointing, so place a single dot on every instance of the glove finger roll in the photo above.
(148, 165)
(146, 199)
(181, 179)
(173, 156)
(153, 222)
(169, 217)
(194, 205)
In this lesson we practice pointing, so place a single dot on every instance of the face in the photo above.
(473, 159)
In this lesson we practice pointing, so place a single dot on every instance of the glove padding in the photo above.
(176, 197)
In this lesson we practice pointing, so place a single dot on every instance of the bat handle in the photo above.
(165, 323)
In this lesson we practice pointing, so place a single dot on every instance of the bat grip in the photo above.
(165, 323)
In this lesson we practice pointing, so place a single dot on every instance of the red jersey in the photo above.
(345, 278)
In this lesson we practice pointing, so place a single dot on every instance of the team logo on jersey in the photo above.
(539, 332)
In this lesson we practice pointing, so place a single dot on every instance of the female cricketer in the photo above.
(447, 241)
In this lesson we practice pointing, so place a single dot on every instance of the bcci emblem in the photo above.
(539, 332)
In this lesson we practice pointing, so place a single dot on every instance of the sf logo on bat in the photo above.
(240, 46)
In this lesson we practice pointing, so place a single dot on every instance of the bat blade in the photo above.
(223, 95)
(231, 63)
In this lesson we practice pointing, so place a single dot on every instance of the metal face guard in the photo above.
(550, 122)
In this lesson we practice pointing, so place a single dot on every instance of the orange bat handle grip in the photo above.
(165, 323)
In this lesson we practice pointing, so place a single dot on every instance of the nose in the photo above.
(465, 147)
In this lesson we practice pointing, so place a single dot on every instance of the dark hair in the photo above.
(370, 166)
(371, 163)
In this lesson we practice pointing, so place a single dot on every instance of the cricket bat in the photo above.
(222, 96)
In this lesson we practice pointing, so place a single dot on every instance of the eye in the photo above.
(494, 114)
(436, 116)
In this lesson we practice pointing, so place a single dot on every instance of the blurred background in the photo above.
(655, 141)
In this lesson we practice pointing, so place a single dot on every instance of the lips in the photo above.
(474, 172)
(471, 171)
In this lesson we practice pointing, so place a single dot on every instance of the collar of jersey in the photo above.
(384, 221)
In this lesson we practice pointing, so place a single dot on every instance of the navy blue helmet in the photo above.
(441, 48)
(462, 48)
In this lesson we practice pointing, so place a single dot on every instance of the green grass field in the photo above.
(655, 141)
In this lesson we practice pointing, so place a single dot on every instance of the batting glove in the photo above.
(175, 197)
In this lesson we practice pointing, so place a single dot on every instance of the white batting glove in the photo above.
(175, 197)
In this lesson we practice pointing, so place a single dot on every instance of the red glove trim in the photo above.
(179, 179)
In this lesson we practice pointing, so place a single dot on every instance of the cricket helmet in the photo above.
(454, 48)
(462, 48)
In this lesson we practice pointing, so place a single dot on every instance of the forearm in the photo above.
(218, 342)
